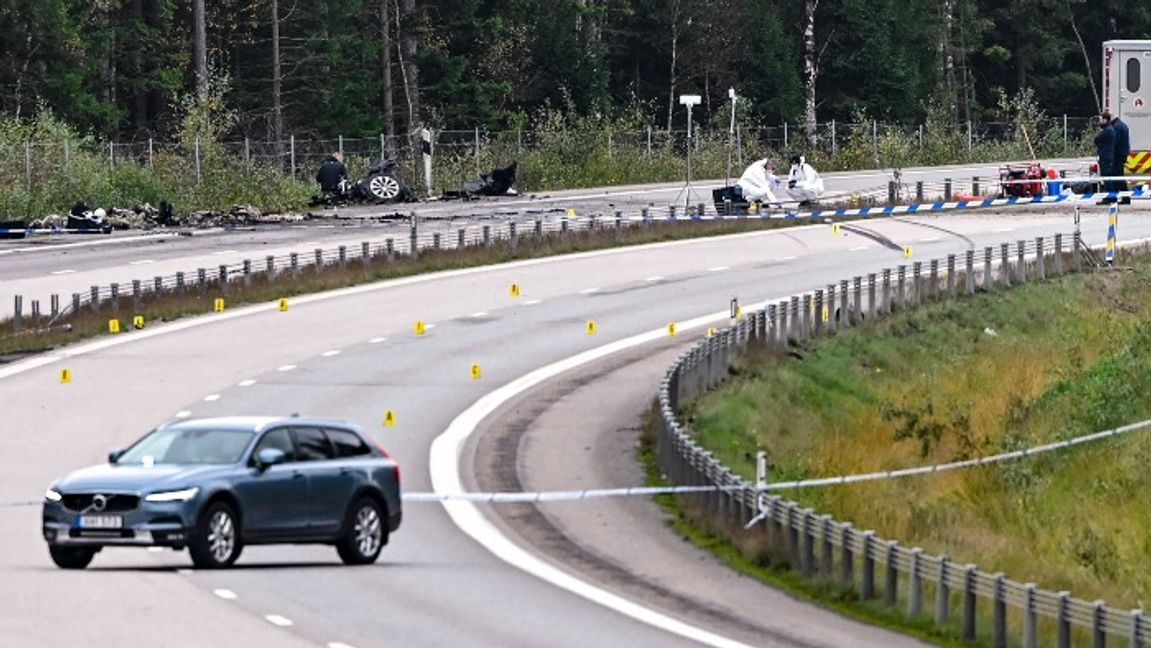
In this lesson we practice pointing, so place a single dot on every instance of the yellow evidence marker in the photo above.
(571, 213)
(65, 376)
(114, 326)
(514, 290)
(835, 229)
(420, 328)
(218, 305)
(138, 322)
(712, 331)
(671, 329)
(283, 304)
(476, 372)
(907, 252)
(389, 419)
(825, 315)
(590, 327)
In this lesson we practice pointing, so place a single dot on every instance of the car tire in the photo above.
(71, 557)
(365, 533)
(216, 541)
(382, 187)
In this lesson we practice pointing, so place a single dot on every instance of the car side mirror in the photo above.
(269, 457)
(114, 456)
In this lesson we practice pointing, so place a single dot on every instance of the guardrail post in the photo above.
(819, 306)
(918, 191)
(933, 281)
(114, 289)
(512, 237)
(136, 293)
(54, 308)
(390, 248)
(999, 613)
(795, 320)
(891, 574)
(1040, 260)
(784, 324)
(1136, 629)
(158, 286)
(891, 192)
(975, 185)
(845, 310)
(181, 285)
(18, 313)
(807, 558)
(969, 266)
(1029, 621)
(871, 309)
(539, 227)
(247, 269)
(772, 326)
(1020, 251)
(436, 240)
(916, 283)
(915, 584)
(1098, 629)
(969, 603)
(1059, 255)
(1076, 257)
(947, 190)
(868, 587)
(342, 254)
(951, 276)
(413, 235)
(831, 307)
(1005, 265)
(94, 299)
(222, 278)
(793, 548)
(1063, 620)
(942, 592)
(461, 238)
(35, 313)
(365, 254)
(847, 556)
(886, 291)
(901, 286)
(75, 304)
(857, 299)
(806, 319)
(988, 281)
(826, 561)
(319, 264)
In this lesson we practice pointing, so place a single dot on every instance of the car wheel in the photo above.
(382, 187)
(216, 541)
(364, 534)
(71, 557)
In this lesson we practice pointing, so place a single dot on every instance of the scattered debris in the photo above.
(990, 332)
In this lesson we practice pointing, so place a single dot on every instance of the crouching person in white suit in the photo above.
(759, 182)
(803, 183)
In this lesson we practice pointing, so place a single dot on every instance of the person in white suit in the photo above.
(803, 182)
(759, 182)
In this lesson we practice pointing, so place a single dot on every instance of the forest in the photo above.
(120, 69)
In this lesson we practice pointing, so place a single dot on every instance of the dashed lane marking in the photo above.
(211, 397)
(141, 262)
(63, 272)
(654, 279)
(719, 268)
(278, 620)
(479, 314)
(247, 383)
(533, 302)
(226, 594)
(286, 368)
(328, 354)
(377, 340)
(183, 414)
(588, 291)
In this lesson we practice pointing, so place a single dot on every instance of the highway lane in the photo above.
(433, 585)
(38, 268)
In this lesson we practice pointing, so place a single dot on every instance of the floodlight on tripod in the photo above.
(686, 192)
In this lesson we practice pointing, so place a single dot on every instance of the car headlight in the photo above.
(173, 496)
(53, 495)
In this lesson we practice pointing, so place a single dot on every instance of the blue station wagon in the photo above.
(214, 485)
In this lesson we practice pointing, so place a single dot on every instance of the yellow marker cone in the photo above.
(590, 327)
(420, 328)
(138, 322)
(571, 213)
(514, 290)
(65, 376)
(739, 312)
(753, 208)
(476, 372)
(283, 305)
(218, 305)
(907, 252)
(671, 329)
(389, 419)
(712, 331)
(113, 326)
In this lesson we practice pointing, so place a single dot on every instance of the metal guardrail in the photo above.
(820, 547)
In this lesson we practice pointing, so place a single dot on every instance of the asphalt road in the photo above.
(351, 355)
(37, 268)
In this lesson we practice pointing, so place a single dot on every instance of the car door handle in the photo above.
(296, 474)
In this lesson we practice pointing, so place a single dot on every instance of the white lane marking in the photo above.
(719, 268)
(588, 291)
(62, 272)
(310, 243)
(337, 644)
(328, 354)
(1004, 229)
(931, 239)
(66, 246)
(479, 314)
(789, 258)
(211, 397)
(226, 594)
(185, 572)
(286, 368)
(222, 252)
(183, 414)
(428, 327)
(278, 620)
(444, 462)
(141, 262)
(247, 383)
(533, 302)
(377, 340)
(860, 248)
(653, 279)
(155, 549)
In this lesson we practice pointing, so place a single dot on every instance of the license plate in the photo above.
(101, 522)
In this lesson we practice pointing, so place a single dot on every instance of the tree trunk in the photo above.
(949, 62)
(277, 84)
(674, 54)
(409, 48)
(809, 71)
(386, 66)
(200, 48)
(139, 96)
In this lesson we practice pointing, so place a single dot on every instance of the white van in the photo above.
(1127, 95)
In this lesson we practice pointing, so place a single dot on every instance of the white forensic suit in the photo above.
(803, 183)
(758, 184)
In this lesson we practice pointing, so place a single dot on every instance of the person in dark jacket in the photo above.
(1105, 149)
(332, 174)
(1122, 151)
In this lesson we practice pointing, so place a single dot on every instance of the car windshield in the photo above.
(188, 446)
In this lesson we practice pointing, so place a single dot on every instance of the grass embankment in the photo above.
(946, 381)
(39, 337)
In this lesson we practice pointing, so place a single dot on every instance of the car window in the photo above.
(278, 439)
(183, 446)
(1133, 75)
(347, 443)
(312, 444)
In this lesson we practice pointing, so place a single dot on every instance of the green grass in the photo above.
(954, 380)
